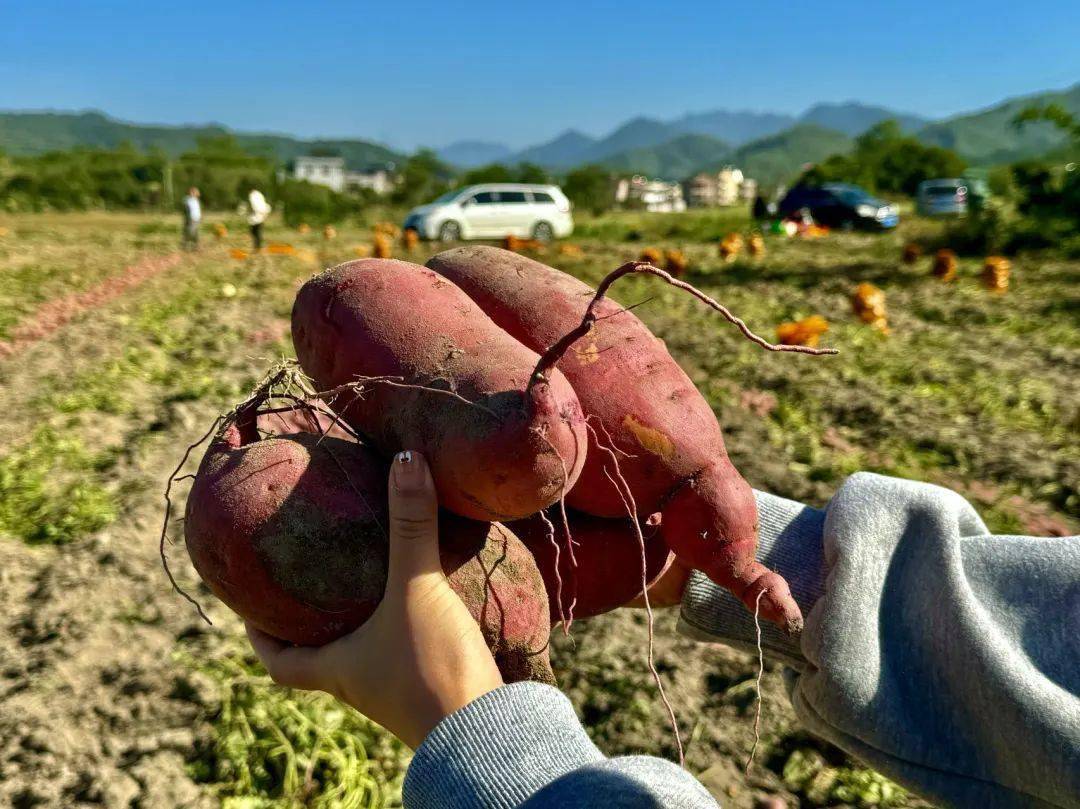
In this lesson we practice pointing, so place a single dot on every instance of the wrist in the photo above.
(790, 542)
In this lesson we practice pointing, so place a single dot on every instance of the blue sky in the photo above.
(421, 73)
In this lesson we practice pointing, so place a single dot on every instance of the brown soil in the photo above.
(95, 710)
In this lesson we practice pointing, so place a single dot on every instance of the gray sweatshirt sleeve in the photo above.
(521, 745)
(943, 656)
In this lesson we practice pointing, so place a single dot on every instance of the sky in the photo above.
(424, 73)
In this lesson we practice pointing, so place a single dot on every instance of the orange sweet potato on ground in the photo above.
(911, 253)
(805, 332)
(995, 273)
(944, 266)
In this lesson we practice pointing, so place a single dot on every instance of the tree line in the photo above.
(128, 178)
(884, 160)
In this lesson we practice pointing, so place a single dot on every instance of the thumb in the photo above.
(414, 528)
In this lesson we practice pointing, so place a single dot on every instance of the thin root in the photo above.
(357, 388)
(168, 514)
(568, 619)
(558, 575)
(757, 684)
(627, 498)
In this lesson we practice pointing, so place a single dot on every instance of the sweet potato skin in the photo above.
(608, 555)
(275, 532)
(621, 372)
(506, 456)
(289, 532)
(671, 449)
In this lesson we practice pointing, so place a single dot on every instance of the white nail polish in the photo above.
(404, 457)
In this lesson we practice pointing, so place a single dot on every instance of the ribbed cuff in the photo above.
(498, 750)
(790, 542)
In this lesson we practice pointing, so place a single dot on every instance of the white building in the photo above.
(724, 188)
(656, 196)
(332, 172)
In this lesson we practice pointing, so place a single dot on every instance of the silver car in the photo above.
(494, 210)
(942, 197)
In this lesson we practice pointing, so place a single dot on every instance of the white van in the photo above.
(493, 211)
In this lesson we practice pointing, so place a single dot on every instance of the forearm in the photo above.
(522, 745)
(941, 655)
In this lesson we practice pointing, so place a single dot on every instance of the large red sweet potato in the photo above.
(501, 455)
(605, 571)
(671, 449)
(289, 531)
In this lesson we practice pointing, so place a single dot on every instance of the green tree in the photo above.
(1054, 114)
(499, 173)
(532, 173)
(591, 187)
(887, 160)
(223, 171)
(1048, 190)
(493, 173)
(317, 205)
(423, 177)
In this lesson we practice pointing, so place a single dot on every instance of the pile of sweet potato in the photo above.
(573, 457)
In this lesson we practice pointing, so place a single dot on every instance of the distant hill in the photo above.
(26, 133)
(772, 159)
(853, 118)
(640, 134)
(769, 146)
(469, 154)
(637, 133)
(779, 158)
(988, 136)
(673, 160)
(563, 151)
(573, 148)
(736, 128)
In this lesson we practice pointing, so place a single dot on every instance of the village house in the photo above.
(656, 196)
(333, 173)
(726, 187)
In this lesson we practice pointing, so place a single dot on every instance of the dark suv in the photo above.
(838, 205)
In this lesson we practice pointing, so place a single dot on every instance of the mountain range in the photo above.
(36, 132)
(628, 145)
(769, 146)
(772, 146)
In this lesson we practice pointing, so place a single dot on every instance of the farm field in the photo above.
(117, 352)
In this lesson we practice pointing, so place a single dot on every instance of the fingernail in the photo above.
(408, 471)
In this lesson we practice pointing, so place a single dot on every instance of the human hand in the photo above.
(420, 656)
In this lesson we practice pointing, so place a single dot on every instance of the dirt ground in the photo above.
(105, 698)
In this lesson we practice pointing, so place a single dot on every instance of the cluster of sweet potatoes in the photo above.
(573, 457)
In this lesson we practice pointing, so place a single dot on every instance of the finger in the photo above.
(290, 666)
(414, 529)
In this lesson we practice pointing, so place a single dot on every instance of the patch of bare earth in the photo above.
(95, 709)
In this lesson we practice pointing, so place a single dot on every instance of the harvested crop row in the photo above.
(59, 312)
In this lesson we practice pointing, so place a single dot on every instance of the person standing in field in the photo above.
(760, 210)
(258, 211)
(189, 239)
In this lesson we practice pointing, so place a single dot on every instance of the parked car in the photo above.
(495, 210)
(839, 205)
(956, 196)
